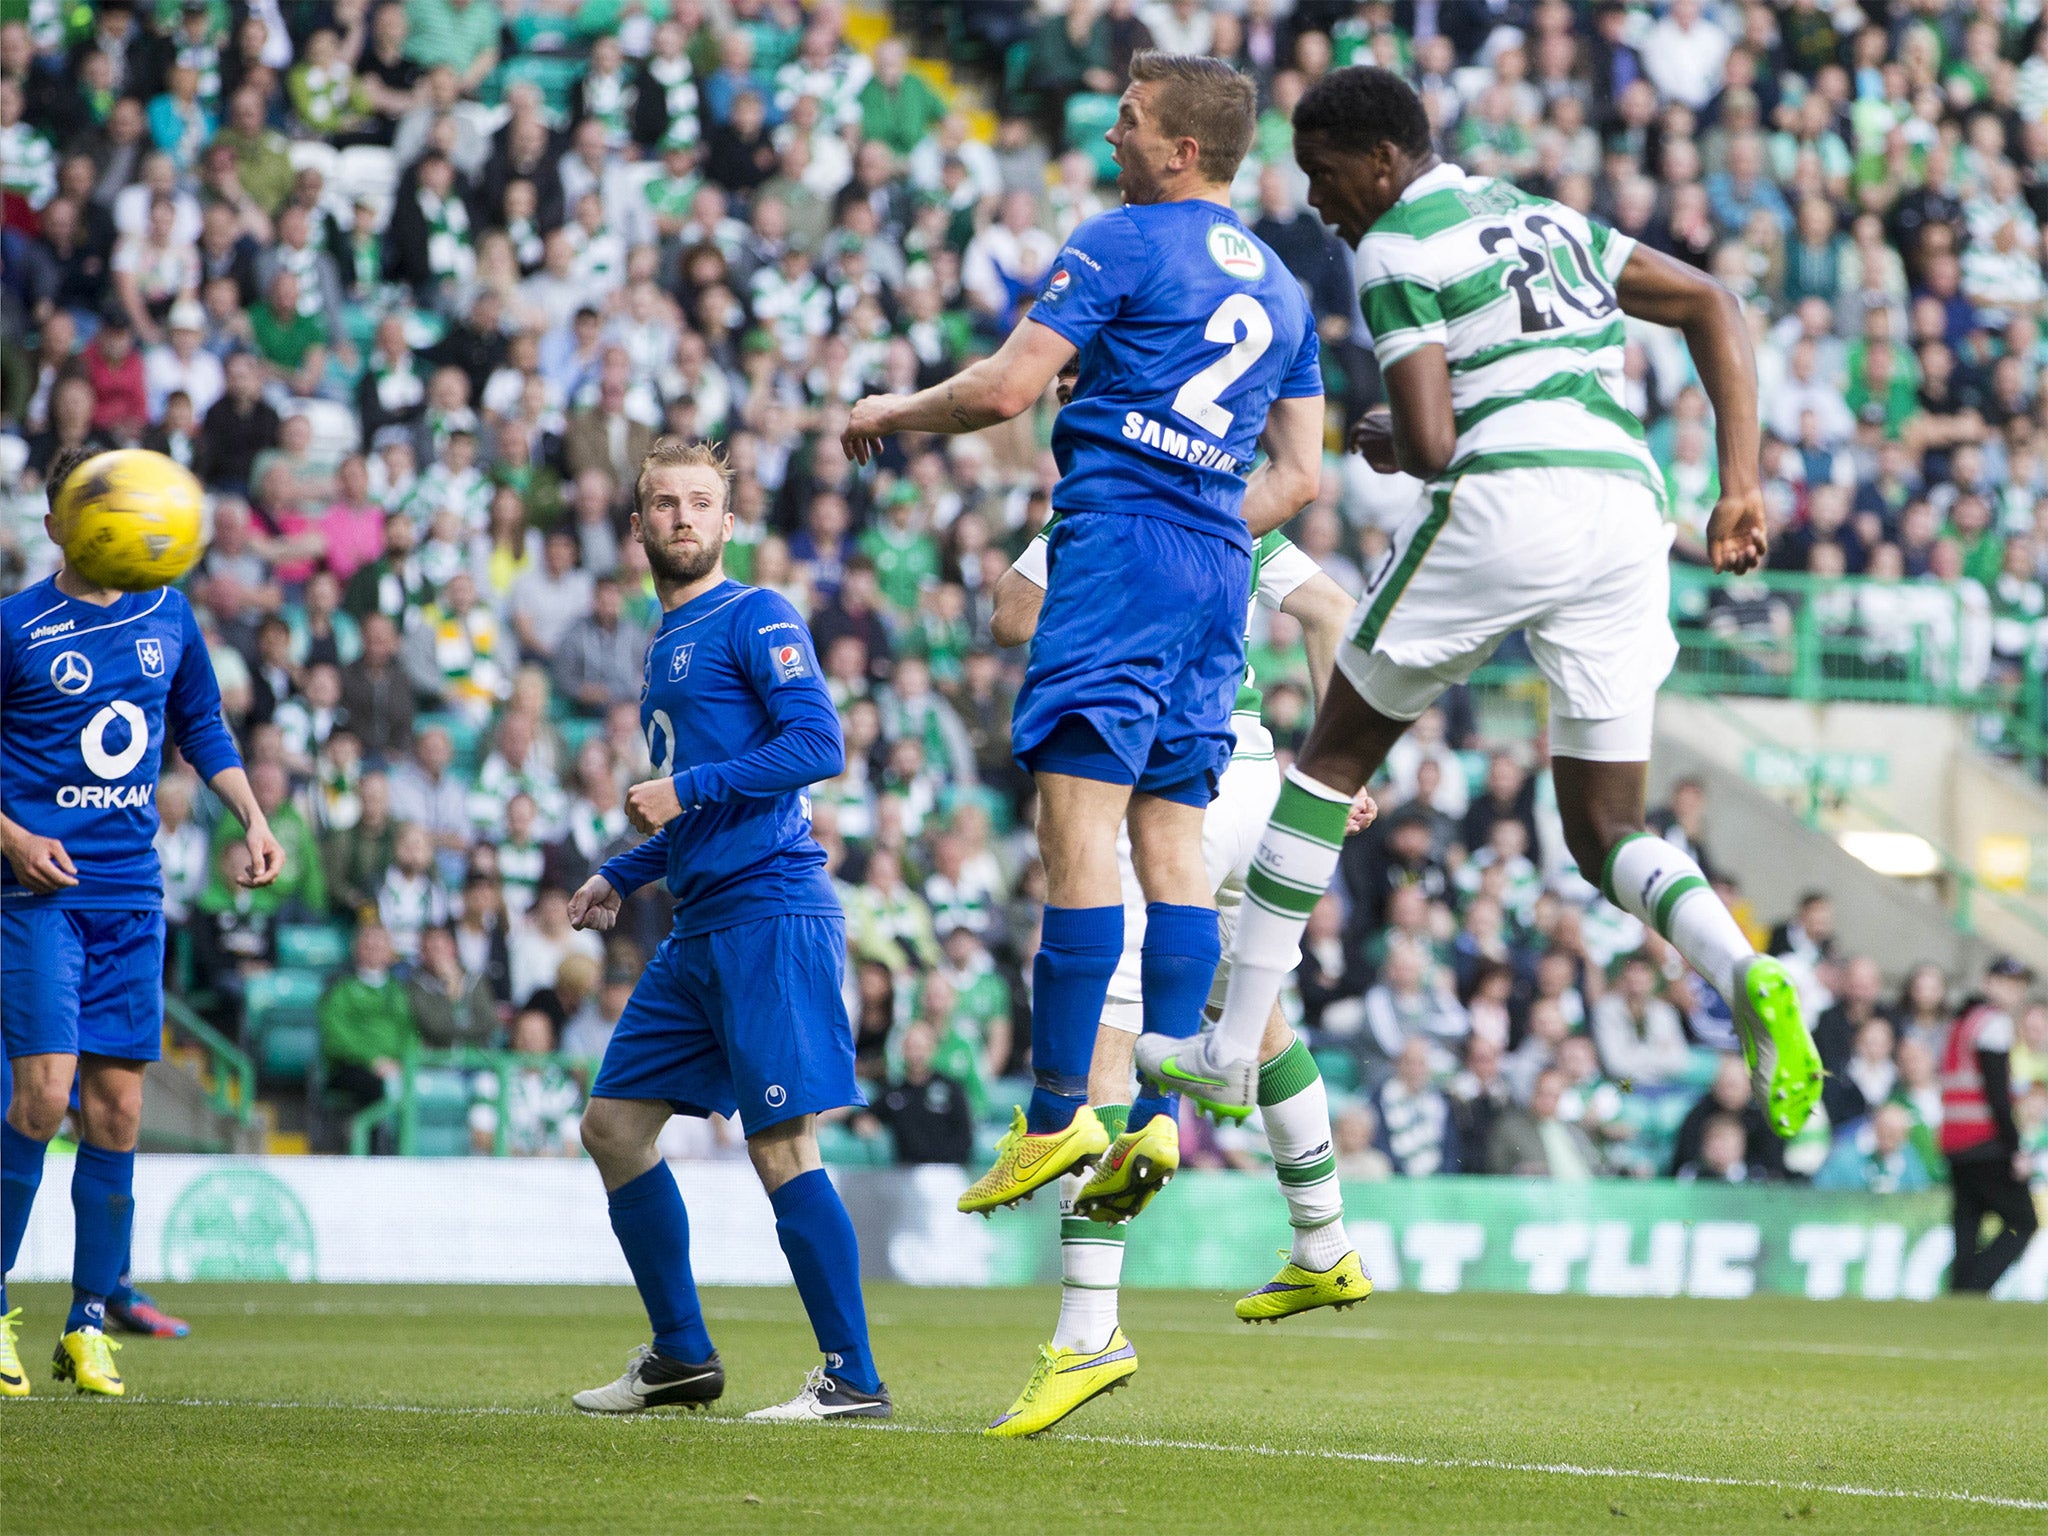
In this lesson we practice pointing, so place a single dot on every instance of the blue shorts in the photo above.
(1138, 656)
(749, 1018)
(82, 982)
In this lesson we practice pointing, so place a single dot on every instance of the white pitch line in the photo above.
(1151, 1443)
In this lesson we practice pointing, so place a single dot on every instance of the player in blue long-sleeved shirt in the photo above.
(92, 683)
(741, 1008)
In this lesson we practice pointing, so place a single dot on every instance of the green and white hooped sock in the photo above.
(1649, 879)
(1296, 1110)
(1091, 1258)
(1296, 859)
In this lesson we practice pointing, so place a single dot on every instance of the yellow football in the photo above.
(130, 520)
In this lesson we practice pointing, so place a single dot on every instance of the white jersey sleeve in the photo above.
(1033, 564)
(1283, 569)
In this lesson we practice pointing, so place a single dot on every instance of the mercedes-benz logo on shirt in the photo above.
(71, 673)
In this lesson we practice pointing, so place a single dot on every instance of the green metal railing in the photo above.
(231, 1076)
(402, 1110)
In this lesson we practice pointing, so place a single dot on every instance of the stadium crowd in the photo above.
(412, 286)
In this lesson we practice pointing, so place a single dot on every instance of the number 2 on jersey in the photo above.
(1197, 398)
(1559, 268)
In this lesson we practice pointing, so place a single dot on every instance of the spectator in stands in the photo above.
(543, 1101)
(451, 1006)
(1479, 1092)
(926, 1111)
(1418, 1133)
(1876, 1156)
(598, 659)
(1640, 1035)
(1728, 1096)
(239, 426)
(426, 790)
(590, 1026)
(1809, 936)
(366, 1028)
(1534, 1141)
(1412, 1003)
(411, 898)
(1723, 1156)
(1354, 1129)
(542, 939)
(355, 858)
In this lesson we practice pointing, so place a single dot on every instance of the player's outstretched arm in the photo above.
(1293, 470)
(1657, 288)
(980, 395)
(40, 863)
(266, 854)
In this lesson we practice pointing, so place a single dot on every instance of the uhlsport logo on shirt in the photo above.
(789, 661)
(1234, 251)
(775, 1096)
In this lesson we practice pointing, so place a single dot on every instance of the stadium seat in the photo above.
(321, 947)
(837, 1144)
(316, 154)
(1089, 116)
(280, 1022)
(1339, 1069)
(365, 170)
(440, 1103)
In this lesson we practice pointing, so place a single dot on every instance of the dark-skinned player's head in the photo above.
(1360, 135)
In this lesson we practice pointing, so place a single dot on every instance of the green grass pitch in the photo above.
(440, 1409)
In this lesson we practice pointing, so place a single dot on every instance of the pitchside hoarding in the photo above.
(543, 1221)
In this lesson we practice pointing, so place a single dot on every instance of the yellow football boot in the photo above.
(1026, 1163)
(1136, 1167)
(1294, 1289)
(1062, 1381)
(85, 1358)
(13, 1379)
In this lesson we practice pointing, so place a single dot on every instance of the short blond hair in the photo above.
(675, 453)
(1203, 99)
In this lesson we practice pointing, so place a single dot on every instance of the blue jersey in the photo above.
(736, 711)
(1189, 329)
(87, 697)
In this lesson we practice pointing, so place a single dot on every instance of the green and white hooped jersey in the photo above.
(1519, 292)
(1278, 569)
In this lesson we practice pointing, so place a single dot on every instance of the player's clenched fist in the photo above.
(40, 863)
(266, 858)
(595, 905)
(653, 805)
(1364, 812)
(868, 424)
(1372, 438)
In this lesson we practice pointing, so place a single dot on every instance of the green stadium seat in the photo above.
(319, 947)
(837, 1144)
(1089, 116)
(281, 1022)
(1339, 1069)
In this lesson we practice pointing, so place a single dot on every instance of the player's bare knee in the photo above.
(785, 1151)
(617, 1141)
(37, 1110)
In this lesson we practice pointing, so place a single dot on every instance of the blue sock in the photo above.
(1147, 1105)
(1077, 955)
(817, 1238)
(1182, 949)
(124, 1287)
(654, 1230)
(103, 1207)
(21, 1170)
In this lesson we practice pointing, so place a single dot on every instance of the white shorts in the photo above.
(1231, 829)
(1578, 558)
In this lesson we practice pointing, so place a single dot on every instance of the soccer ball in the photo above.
(130, 520)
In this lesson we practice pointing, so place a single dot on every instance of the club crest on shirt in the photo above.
(789, 661)
(151, 654)
(679, 662)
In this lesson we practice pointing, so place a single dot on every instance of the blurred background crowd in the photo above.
(412, 286)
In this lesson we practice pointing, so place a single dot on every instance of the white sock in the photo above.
(1296, 1110)
(1091, 1266)
(1649, 879)
(1290, 872)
